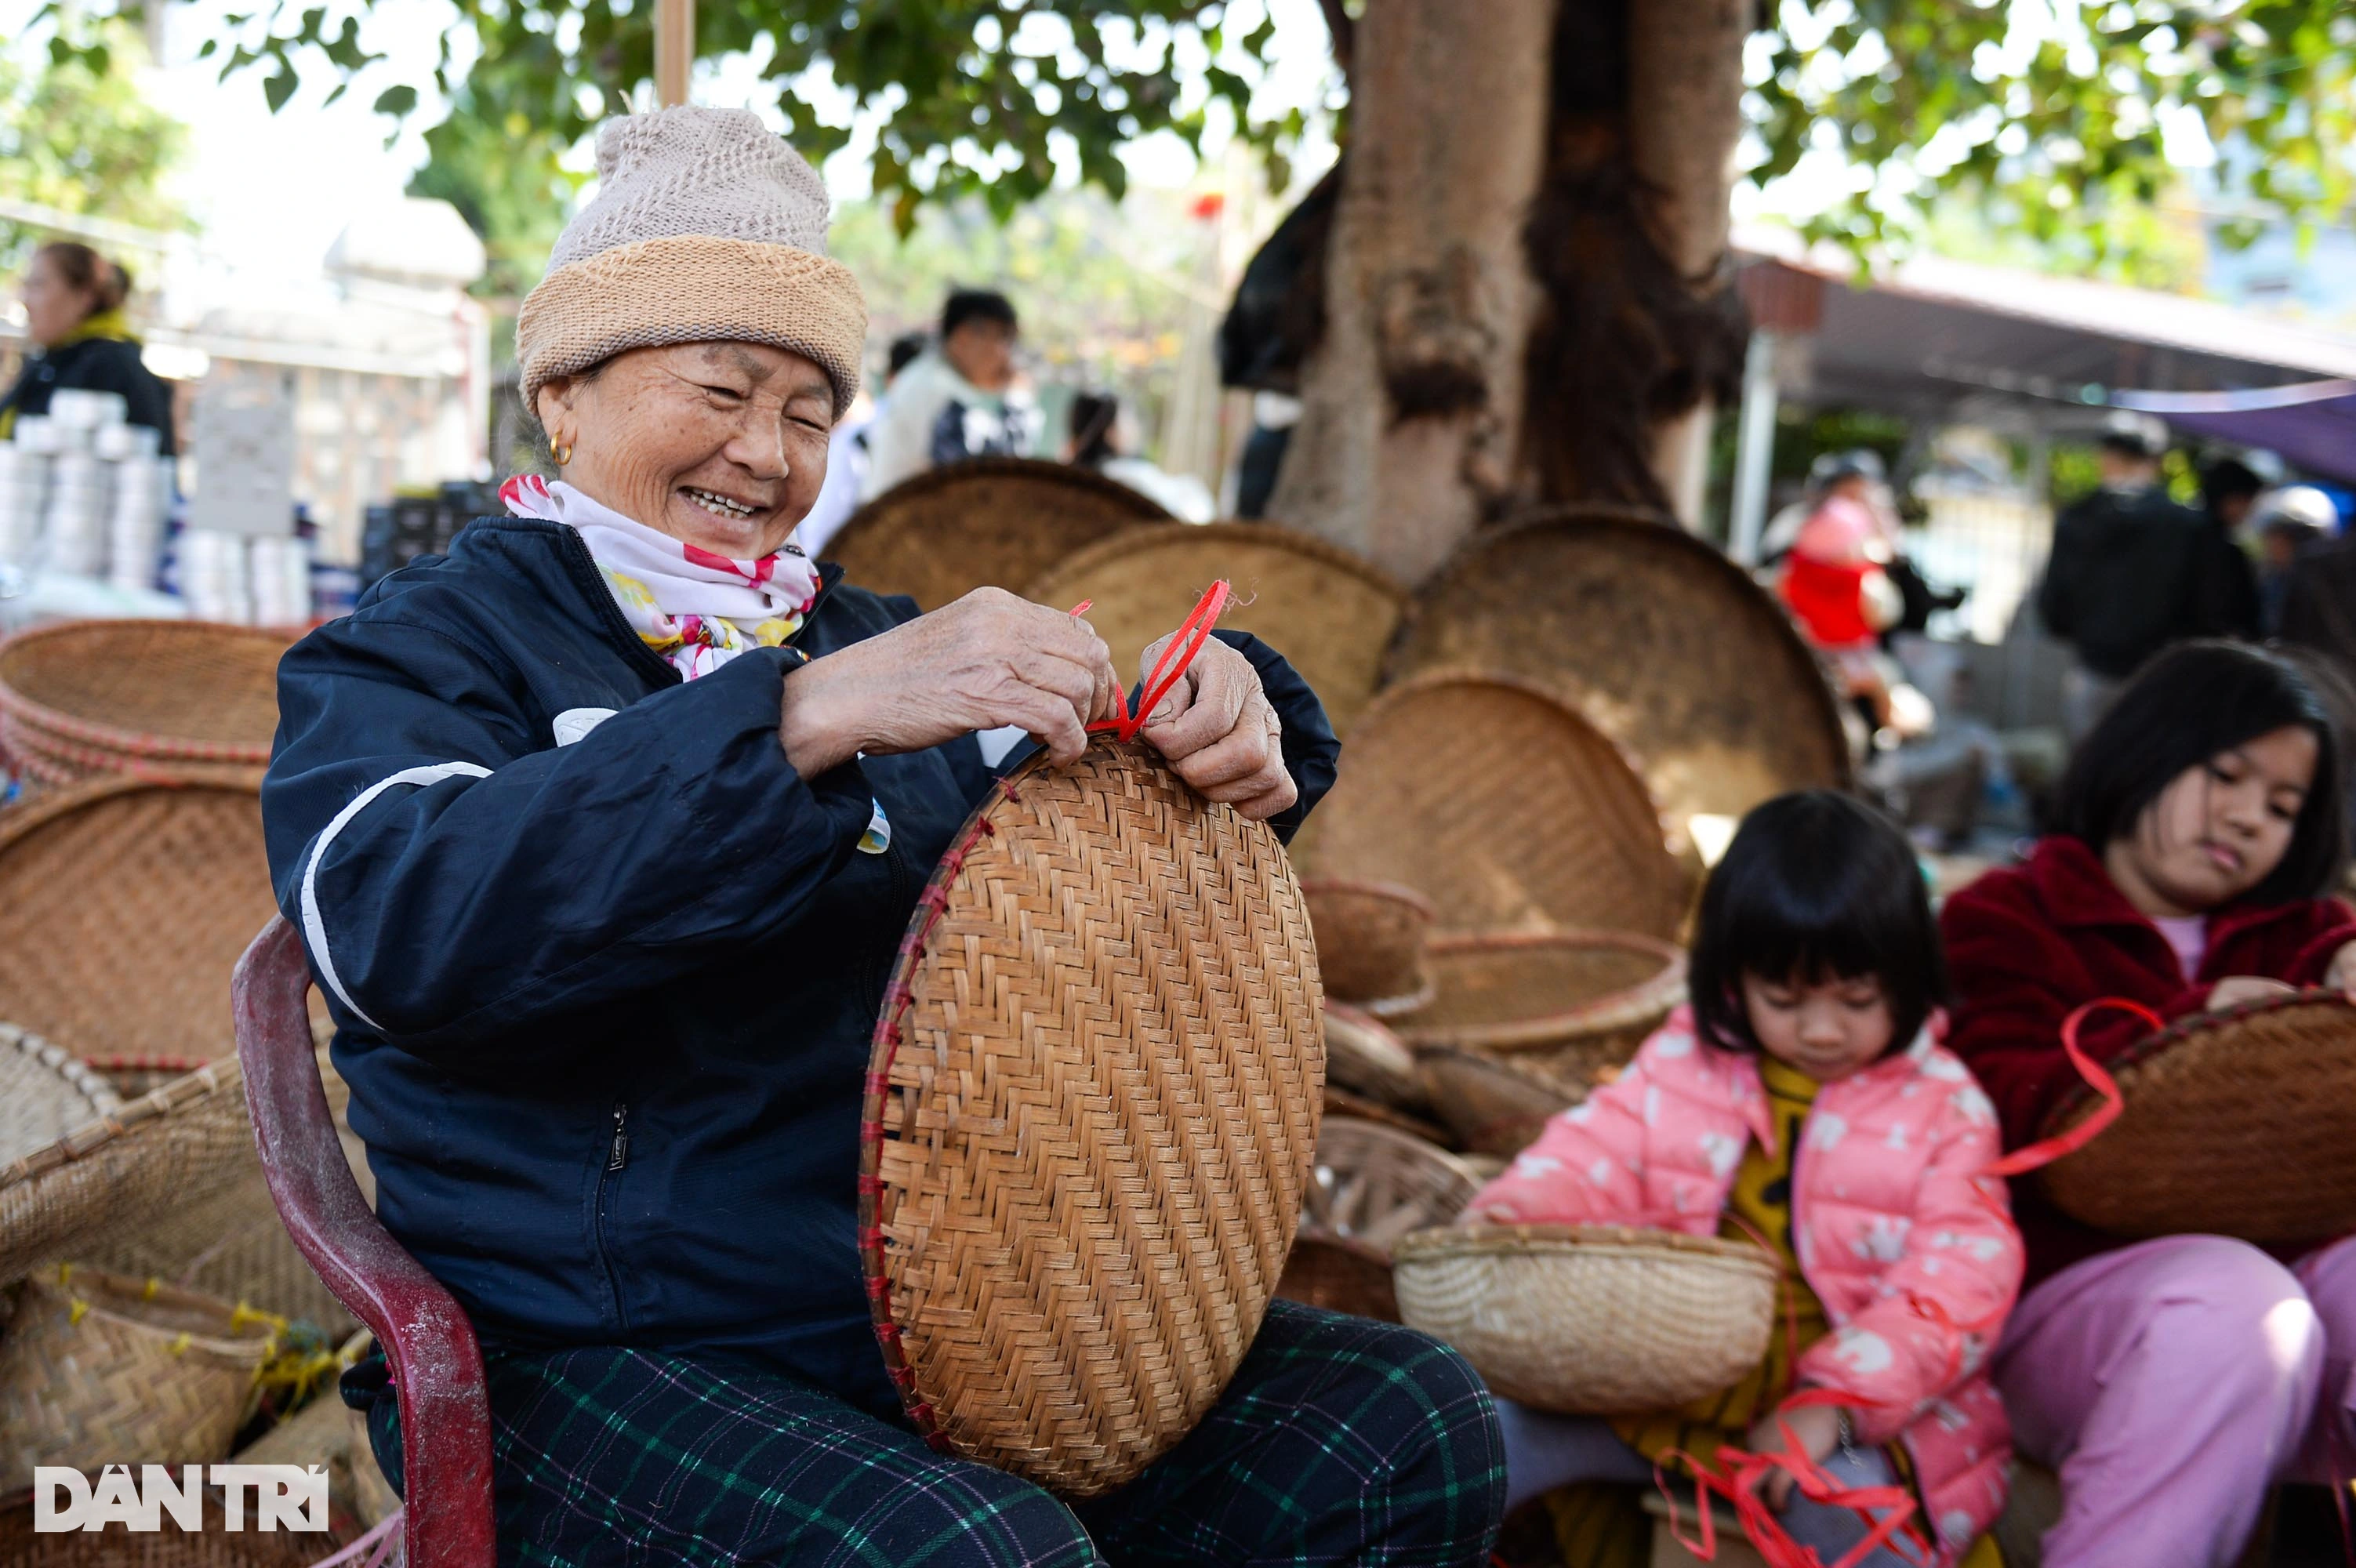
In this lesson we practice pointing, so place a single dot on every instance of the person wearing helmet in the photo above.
(2125, 578)
(2292, 523)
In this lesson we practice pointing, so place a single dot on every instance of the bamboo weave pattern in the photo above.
(1090, 1116)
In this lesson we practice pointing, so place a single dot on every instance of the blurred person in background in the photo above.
(1836, 580)
(846, 454)
(74, 311)
(1098, 443)
(958, 399)
(2125, 578)
(2292, 523)
(2229, 488)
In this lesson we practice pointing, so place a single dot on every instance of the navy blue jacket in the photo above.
(603, 967)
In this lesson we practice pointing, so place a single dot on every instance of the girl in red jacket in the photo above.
(2170, 1381)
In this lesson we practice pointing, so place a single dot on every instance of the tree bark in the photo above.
(1685, 117)
(1412, 405)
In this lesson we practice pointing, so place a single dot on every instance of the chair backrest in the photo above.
(436, 1365)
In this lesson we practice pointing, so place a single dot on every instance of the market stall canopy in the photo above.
(1932, 333)
(2311, 425)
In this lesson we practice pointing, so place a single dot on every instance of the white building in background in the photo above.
(382, 354)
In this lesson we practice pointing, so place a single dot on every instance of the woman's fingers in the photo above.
(1211, 700)
(1050, 718)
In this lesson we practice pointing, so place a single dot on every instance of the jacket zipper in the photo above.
(617, 1155)
(879, 973)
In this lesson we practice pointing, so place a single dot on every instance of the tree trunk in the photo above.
(1412, 404)
(1525, 295)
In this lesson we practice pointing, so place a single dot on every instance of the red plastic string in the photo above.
(1171, 668)
(2045, 1150)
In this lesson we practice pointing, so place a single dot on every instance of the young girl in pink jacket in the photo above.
(1803, 1100)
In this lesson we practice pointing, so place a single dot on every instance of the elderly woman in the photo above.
(600, 833)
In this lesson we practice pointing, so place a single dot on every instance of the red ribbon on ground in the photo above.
(1171, 668)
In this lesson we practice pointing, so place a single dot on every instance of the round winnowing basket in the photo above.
(136, 1169)
(124, 907)
(1090, 1120)
(44, 1093)
(988, 522)
(2236, 1123)
(1372, 1185)
(1591, 1319)
(1501, 806)
(1665, 645)
(1364, 1057)
(1370, 937)
(1329, 613)
(1567, 999)
(1496, 1102)
(180, 698)
(100, 1368)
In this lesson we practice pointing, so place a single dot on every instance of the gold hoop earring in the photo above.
(561, 451)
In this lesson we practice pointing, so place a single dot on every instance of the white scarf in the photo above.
(697, 609)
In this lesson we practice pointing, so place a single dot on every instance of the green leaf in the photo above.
(396, 101)
(279, 88)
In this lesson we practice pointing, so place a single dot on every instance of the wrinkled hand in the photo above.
(1219, 733)
(987, 661)
(2236, 989)
(1815, 1429)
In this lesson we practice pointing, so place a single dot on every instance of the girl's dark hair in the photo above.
(1816, 884)
(2188, 705)
(83, 268)
(1092, 418)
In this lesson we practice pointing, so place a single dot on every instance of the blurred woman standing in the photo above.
(73, 308)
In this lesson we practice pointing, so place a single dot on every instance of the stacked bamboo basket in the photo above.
(158, 1310)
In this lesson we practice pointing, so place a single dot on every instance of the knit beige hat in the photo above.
(704, 227)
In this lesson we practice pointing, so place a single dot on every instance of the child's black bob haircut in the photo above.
(1817, 885)
(2195, 702)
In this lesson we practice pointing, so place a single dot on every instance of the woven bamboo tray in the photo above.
(127, 1174)
(1591, 1319)
(1341, 1102)
(124, 907)
(1090, 1119)
(1329, 613)
(1372, 1186)
(1363, 1055)
(1594, 995)
(1497, 1103)
(99, 1369)
(1501, 806)
(1370, 940)
(2238, 1122)
(44, 1093)
(988, 522)
(1661, 641)
(123, 696)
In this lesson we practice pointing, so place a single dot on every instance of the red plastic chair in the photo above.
(446, 1419)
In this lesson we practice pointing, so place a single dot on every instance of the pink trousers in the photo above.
(2171, 1383)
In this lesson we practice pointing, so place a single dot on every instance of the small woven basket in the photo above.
(986, 522)
(1501, 805)
(44, 1093)
(133, 1170)
(99, 1369)
(1372, 1185)
(1370, 942)
(1567, 999)
(1327, 611)
(2236, 1125)
(179, 699)
(1091, 1110)
(1496, 1104)
(1362, 1055)
(1591, 1319)
(123, 907)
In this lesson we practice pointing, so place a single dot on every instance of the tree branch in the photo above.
(1344, 31)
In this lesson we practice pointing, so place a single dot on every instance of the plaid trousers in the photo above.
(1341, 1440)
